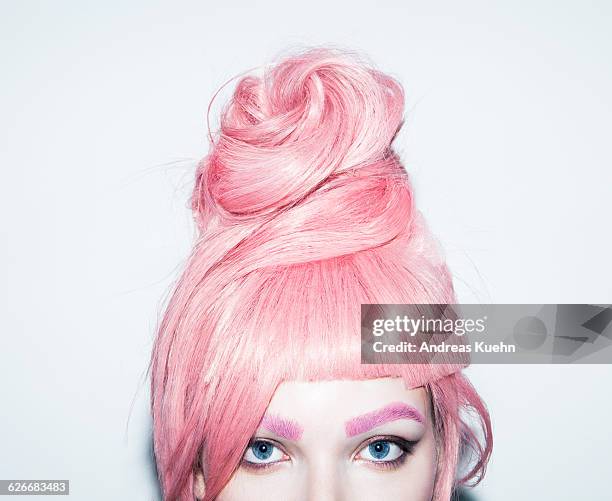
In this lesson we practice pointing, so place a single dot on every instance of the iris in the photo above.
(379, 449)
(262, 450)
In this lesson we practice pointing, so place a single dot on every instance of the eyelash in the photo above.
(406, 446)
(261, 466)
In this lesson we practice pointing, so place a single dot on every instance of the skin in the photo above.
(316, 458)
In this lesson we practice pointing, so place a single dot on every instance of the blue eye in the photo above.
(263, 452)
(381, 451)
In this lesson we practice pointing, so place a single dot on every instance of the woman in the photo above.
(304, 213)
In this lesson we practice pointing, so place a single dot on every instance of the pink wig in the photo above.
(304, 213)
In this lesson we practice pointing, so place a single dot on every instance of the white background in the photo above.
(507, 139)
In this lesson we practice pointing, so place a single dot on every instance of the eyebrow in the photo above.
(391, 412)
(285, 428)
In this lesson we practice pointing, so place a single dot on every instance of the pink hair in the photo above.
(304, 213)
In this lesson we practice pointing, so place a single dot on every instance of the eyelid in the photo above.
(406, 445)
(263, 467)
(264, 439)
(267, 440)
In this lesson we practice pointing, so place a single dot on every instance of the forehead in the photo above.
(341, 400)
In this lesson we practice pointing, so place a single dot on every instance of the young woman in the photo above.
(304, 213)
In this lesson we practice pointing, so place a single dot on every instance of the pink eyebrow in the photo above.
(391, 412)
(285, 428)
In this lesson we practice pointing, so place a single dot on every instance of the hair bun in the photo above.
(314, 114)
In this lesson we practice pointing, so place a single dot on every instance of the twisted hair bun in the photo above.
(312, 135)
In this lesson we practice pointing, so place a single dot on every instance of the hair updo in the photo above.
(304, 212)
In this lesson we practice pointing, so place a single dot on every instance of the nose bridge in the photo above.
(324, 480)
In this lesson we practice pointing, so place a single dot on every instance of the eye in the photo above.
(263, 452)
(381, 450)
(385, 451)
